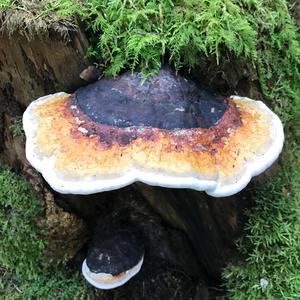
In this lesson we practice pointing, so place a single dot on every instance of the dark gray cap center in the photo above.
(166, 101)
(115, 251)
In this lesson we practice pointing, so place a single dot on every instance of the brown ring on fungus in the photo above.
(167, 131)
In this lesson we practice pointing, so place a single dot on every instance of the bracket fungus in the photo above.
(114, 257)
(167, 131)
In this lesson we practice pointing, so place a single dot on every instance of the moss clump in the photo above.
(17, 127)
(23, 275)
(57, 284)
(271, 246)
(145, 33)
(127, 34)
(20, 246)
(34, 19)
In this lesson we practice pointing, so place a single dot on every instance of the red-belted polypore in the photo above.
(166, 131)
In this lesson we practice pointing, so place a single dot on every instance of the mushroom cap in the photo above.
(107, 281)
(168, 131)
(114, 257)
(115, 251)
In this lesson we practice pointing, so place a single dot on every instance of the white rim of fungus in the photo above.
(261, 162)
(105, 285)
(95, 184)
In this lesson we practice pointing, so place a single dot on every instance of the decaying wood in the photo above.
(33, 68)
(63, 232)
(212, 224)
(29, 69)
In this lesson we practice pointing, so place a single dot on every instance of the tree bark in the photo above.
(33, 68)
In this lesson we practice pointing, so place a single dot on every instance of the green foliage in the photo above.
(5, 3)
(145, 33)
(20, 247)
(131, 34)
(60, 284)
(22, 272)
(278, 60)
(17, 127)
(142, 33)
(8, 287)
(56, 284)
(272, 243)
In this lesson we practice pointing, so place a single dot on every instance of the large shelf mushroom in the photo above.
(167, 131)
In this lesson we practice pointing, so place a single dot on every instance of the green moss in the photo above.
(5, 3)
(57, 284)
(127, 34)
(33, 19)
(272, 243)
(145, 33)
(23, 275)
(17, 127)
(20, 246)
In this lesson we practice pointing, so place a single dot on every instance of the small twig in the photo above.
(216, 289)
(17, 288)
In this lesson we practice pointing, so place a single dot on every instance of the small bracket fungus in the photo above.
(114, 257)
(167, 131)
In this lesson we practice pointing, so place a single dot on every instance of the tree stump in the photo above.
(33, 68)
